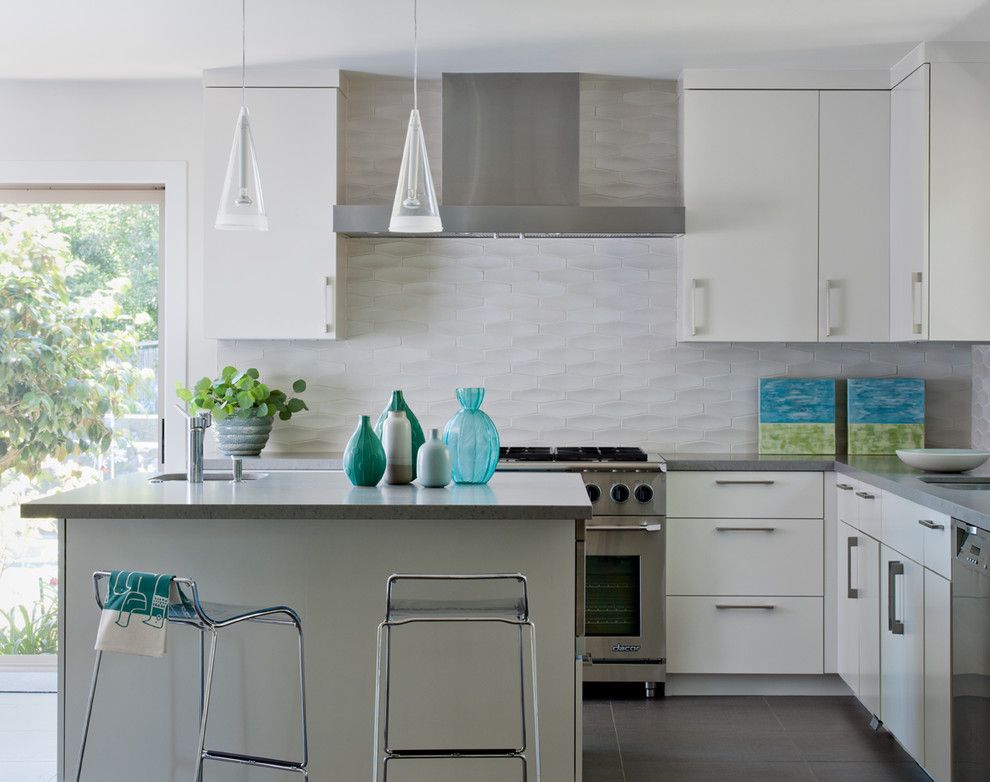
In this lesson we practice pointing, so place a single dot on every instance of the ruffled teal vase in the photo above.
(472, 439)
(364, 456)
(398, 402)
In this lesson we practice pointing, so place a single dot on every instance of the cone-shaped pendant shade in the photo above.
(242, 206)
(415, 208)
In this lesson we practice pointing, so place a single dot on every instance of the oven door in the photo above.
(624, 589)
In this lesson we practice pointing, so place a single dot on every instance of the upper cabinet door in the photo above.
(854, 214)
(280, 283)
(909, 112)
(750, 251)
(960, 201)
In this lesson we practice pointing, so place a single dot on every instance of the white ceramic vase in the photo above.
(397, 441)
(433, 462)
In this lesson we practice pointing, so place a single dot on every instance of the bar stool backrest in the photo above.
(188, 594)
(456, 597)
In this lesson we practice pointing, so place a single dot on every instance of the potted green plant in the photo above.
(243, 407)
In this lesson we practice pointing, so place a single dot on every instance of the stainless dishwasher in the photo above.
(970, 654)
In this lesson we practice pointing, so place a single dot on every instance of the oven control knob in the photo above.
(620, 492)
(594, 493)
(643, 493)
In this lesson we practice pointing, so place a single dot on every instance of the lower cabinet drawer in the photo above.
(745, 557)
(745, 635)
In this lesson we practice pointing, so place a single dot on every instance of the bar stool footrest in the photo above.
(253, 760)
(455, 753)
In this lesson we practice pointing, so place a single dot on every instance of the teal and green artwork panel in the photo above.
(797, 415)
(885, 413)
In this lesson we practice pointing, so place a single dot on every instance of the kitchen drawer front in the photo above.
(847, 503)
(869, 501)
(723, 635)
(918, 533)
(731, 495)
(904, 531)
(743, 557)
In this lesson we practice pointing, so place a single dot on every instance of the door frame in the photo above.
(172, 176)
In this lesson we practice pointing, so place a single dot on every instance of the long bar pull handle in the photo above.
(624, 528)
(745, 606)
(726, 482)
(894, 569)
(694, 306)
(844, 486)
(745, 529)
(851, 592)
(828, 308)
(930, 524)
(917, 312)
(866, 495)
(328, 305)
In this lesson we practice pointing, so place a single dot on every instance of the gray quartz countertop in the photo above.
(281, 461)
(748, 461)
(321, 495)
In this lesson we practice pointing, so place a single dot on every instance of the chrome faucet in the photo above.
(197, 428)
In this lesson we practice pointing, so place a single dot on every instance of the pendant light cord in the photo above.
(243, 52)
(415, 56)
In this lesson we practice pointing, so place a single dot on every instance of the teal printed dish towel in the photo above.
(135, 613)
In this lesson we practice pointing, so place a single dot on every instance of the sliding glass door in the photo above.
(80, 388)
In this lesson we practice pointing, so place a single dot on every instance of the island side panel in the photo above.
(334, 573)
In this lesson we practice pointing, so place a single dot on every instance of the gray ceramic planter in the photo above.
(243, 436)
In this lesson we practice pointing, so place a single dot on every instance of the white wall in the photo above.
(112, 121)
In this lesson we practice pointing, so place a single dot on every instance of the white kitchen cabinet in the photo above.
(858, 617)
(749, 268)
(744, 557)
(909, 149)
(283, 283)
(745, 494)
(854, 216)
(745, 635)
(938, 678)
(959, 232)
(902, 649)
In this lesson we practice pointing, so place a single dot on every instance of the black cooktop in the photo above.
(571, 454)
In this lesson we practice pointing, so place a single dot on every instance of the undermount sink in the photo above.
(965, 482)
(207, 476)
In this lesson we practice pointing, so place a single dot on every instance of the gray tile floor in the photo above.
(742, 739)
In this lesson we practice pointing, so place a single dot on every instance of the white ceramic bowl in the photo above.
(943, 459)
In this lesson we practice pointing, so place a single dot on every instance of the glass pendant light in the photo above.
(415, 208)
(242, 205)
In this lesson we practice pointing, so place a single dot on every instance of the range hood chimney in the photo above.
(511, 152)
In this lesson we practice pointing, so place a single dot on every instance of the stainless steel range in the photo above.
(621, 599)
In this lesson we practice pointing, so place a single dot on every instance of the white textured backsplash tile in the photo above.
(574, 347)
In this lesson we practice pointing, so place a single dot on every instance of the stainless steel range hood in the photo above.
(511, 167)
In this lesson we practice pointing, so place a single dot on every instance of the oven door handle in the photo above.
(624, 528)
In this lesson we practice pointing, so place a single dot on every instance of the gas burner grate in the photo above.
(603, 454)
(525, 454)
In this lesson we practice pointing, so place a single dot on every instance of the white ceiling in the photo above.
(113, 39)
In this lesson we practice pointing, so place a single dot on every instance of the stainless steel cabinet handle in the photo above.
(971, 530)
(624, 528)
(328, 315)
(866, 495)
(930, 524)
(746, 607)
(745, 529)
(694, 306)
(828, 308)
(844, 486)
(726, 482)
(894, 569)
(917, 324)
(851, 592)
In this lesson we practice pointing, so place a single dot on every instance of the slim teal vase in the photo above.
(398, 402)
(364, 456)
(472, 439)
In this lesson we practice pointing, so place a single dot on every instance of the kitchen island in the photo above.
(314, 542)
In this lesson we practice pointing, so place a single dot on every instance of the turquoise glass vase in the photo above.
(472, 439)
(398, 402)
(364, 456)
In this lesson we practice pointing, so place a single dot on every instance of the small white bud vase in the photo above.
(397, 441)
(433, 462)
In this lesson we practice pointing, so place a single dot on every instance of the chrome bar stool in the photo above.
(510, 609)
(210, 618)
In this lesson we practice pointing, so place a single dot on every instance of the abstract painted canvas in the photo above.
(885, 414)
(797, 415)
